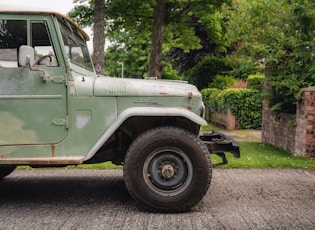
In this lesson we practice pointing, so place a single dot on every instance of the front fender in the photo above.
(144, 111)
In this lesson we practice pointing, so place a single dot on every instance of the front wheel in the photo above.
(167, 169)
(6, 170)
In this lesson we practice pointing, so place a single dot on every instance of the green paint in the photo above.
(61, 112)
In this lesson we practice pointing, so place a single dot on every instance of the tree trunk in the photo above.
(155, 64)
(99, 36)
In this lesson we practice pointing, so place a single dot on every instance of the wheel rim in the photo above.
(168, 171)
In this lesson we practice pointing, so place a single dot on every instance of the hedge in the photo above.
(245, 104)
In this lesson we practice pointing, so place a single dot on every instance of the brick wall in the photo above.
(226, 119)
(278, 129)
(294, 133)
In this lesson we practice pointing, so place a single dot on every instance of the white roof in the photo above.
(23, 9)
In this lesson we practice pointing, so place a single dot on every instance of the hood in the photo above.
(107, 86)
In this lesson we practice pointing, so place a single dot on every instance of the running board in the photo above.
(48, 161)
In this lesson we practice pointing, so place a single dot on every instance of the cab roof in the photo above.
(18, 9)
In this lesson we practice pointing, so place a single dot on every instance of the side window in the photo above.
(13, 34)
(41, 41)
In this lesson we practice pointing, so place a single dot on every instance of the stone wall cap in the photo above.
(311, 88)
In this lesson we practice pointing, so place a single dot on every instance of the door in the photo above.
(33, 101)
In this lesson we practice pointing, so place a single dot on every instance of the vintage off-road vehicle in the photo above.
(55, 111)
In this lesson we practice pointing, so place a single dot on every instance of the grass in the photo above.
(105, 165)
(258, 155)
(209, 127)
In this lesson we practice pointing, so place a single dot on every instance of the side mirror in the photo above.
(26, 56)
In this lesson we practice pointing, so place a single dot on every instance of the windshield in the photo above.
(75, 45)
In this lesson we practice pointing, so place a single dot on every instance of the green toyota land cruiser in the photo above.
(56, 111)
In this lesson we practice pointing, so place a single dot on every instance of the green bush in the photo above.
(209, 97)
(204, 72)
(209, 92)
(222, 82)
(255, 82)
(245, 104)
(243, 67)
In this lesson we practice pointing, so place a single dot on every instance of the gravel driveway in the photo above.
(98, 199)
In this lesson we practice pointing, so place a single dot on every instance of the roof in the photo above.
(21, 9)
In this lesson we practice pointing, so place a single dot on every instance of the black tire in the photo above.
(6, 170)
(167, 169)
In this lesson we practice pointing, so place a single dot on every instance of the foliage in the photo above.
(169, 72)
(207, 92)
(280, 35)
(193, 28)
(82, 13)
(242, 67)
(133, 52)
(245, 104)
(205, 71)
(258, 155)
(210, 98)
(206, 26)
(222, 82)
(130, 51)
(255, 82)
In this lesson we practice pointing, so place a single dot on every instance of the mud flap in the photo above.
(218, 144)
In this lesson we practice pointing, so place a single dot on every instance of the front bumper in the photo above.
(218, 144)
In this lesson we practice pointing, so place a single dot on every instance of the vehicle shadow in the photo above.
(30, 188)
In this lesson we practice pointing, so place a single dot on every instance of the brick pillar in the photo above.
(231, 121)
(305, 118)
(266, 129)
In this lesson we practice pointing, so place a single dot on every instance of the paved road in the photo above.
(98, 199)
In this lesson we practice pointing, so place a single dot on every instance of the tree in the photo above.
(171, 23)
(93, 12)
(99, 36)
(155, 64)
(207, 33)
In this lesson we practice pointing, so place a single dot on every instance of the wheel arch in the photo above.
(132, 122)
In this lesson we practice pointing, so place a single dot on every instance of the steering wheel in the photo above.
(42, 58)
